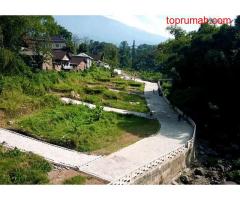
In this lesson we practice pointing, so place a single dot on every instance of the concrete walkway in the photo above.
(172, 135)
(50, 152)
(105, 108)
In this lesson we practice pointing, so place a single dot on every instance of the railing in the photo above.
(141, 171)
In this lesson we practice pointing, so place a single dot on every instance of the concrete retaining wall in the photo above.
(165, 172)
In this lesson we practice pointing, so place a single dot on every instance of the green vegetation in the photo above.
(80, 128)
(76, 180)
(204, 65)
(98, 87)
(22, 94)
(22, 168)
(234, 176)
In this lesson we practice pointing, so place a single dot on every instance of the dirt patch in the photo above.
(125, 140)
(59, 175)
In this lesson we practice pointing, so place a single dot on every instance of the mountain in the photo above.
(108, 30)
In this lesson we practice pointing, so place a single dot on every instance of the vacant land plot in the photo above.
(97, 86)
(22, 168)
(85, 130)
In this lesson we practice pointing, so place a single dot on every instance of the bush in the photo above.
(234, 176)
(11, 63)
(236, 164)
(17, 167)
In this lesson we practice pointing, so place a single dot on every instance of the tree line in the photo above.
(205, 67)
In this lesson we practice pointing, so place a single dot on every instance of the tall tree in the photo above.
(124, 54)
(133, 54)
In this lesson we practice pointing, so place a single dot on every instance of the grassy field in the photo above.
(97, 86)
(24, 94)
(22, 168)
(86, 130)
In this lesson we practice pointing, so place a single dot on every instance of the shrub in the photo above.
(11, 63)
(22, 168)
(234, 176)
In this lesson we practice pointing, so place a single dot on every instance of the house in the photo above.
(81, 61)
(87, 58)
(55, 60)
(58, 42)
(61, 59)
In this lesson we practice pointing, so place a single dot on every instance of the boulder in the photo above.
(184, 179)
(199, 171)
(229, 183)
(220, 167)
(10, 122)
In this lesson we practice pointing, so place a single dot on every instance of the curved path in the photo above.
(173, 134)
(53, 153)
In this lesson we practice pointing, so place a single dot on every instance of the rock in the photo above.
(215, 182)
(184, 179)
(186, 170)
(10, 122)
(229, 183)
(198, 177)
(174, 183)
(199, 171)
(220, 167)
(212, 175)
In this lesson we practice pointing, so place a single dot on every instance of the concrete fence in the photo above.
(166, 167)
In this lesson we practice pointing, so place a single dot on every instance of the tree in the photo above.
(133, 54)
(176, 31)
(206, 72)
(76, 41)
(124, 55)
(82, 48)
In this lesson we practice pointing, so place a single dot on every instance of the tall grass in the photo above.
(80, 128)
(22, 168)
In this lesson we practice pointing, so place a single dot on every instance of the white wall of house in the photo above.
(58, 45)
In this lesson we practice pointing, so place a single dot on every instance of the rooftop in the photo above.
(84, 55)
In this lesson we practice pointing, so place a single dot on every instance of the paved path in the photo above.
(105, 108)
(120, 163)
(50, 152)
(172, 135)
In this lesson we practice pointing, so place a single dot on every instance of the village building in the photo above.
(59, 58)
(58, 42)
(81, 61)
